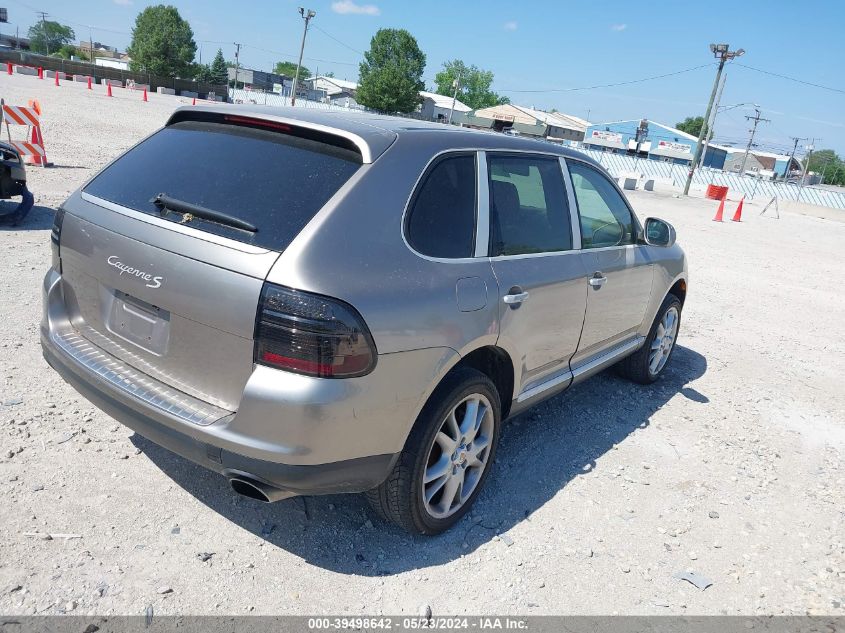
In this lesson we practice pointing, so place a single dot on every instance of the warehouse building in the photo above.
(648, 139)
(553, 126)
(764, 164)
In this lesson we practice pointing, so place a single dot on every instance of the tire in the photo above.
(637, 367)
(401, 499)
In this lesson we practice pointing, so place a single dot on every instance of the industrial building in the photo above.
(764, 164)
(553, 126)
(259, 80)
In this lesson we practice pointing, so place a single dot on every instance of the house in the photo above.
(554, 126)
(766, 164)
(437, 107)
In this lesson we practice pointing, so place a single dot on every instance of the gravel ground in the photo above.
(730, 466)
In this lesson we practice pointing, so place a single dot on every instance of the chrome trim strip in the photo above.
(133, 384)
(608, 357)
(574, 215)
(545, 386)
(173, 226)
(482, 218)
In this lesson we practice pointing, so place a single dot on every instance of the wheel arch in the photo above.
(496, 364)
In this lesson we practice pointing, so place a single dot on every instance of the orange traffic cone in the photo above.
(9, 68)
(194, 101)
(89, 83)
(36, 139)
(738, 215)
(40, 72)
(57, 77)
(145, 94)
(108, 88)
(720, 211)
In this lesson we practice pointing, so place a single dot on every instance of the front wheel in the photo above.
(646, 364)
(446, 458)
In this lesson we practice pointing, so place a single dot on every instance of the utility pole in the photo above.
(810, 149)
(237, 63)
(723, 54)
(756, 118)
(307, 15)
(457, 85)
(712, 121)
(795, 140)
(44, 29)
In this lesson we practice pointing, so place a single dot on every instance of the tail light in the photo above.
(310, 334)
(55, 238)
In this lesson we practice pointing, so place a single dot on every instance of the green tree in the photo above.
(219, 73)
(202, 73)
(69, 50)
(162, 43)
(828, 163)
(47, 37)
(391, 73)
(692, 125)
(289, 70)
(474, 84)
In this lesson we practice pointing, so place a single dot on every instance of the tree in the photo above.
(391, 73)
(219, 73)
(827, 162)
(692, 126)
(47, 37)
(289, 70)
(162, 43)
(474, 85)
(69, 50)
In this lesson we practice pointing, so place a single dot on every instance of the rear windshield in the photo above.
(274, 181)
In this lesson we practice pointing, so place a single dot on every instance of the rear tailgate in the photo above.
(173, 294)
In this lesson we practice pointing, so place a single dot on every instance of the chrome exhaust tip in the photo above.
(254, 489)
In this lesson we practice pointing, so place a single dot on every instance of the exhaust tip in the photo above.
(249, 489)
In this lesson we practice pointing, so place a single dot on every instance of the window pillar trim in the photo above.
(574, 211)
(482, 215)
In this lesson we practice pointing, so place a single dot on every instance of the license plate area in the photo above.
(136, 321)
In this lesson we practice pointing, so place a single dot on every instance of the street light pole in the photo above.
(455, 96)
(723, 54)
(306, 15)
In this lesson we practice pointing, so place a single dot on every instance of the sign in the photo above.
(503, 117)
(604, 135)
(674, 147)
(277, 88)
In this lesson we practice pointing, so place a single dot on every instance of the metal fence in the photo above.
(621, 165)
(259, 97)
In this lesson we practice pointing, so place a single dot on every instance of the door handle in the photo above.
(597, 280)
(515, 299)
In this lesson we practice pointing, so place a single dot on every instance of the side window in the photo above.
(528, 206)
(441, 221)
(605, 218)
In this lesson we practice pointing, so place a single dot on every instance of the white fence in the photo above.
(620, 165)
(273, 99)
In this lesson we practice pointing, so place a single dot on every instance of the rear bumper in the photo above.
(300, 434)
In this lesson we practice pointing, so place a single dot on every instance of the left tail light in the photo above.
(56, 238)
(311, 334)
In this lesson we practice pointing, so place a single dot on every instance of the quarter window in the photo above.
(441, 221)
(528, 207)
(605, 217)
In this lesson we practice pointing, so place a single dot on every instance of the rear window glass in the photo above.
(276, 182)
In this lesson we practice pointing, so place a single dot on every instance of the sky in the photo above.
(540, 50)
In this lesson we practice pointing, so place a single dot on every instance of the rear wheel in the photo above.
(446, 458)
(647, 363)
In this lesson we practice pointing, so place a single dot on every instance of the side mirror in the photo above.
(659, 232)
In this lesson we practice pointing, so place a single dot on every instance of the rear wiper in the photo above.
(163, 201)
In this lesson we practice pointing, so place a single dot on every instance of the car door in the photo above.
(619, 269)
(541, 279)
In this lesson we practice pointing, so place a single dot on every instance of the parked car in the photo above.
(312, 302)
(13, 184)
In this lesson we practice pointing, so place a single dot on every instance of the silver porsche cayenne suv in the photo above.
(314, 302)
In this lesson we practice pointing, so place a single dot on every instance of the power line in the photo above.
(621, 83)
(800, 81)
(330, 36)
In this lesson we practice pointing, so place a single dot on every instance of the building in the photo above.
(259, 80)
(554, 126)
(436, 107)
(103, 51)
(765, 164)
(651, 140)
(112, 62)
(11, 41)
(332, 87)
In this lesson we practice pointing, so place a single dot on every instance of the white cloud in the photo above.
(348, 6)
(510, 26)
(123, 3)
(618, 27)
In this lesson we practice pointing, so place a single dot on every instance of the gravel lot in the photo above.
(730, 466)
